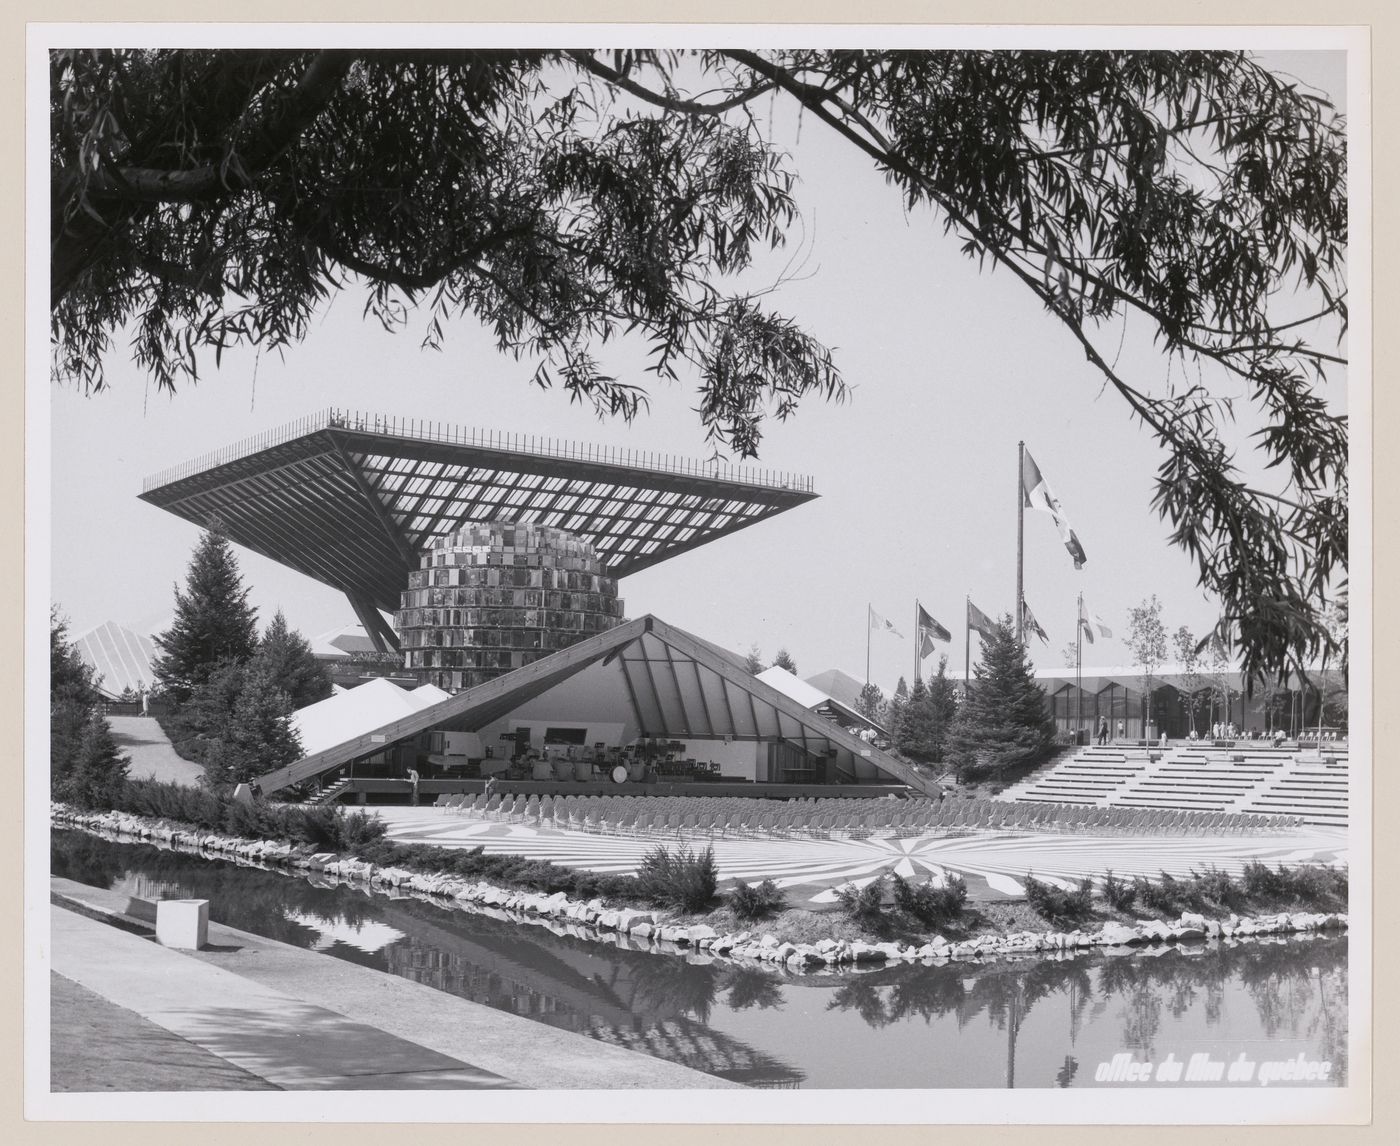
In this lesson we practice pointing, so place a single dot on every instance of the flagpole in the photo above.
(1020, 539)
(1078, 670)
(918, 664)
(967, 652)
(868, 611)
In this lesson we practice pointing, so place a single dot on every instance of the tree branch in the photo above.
(670, 103)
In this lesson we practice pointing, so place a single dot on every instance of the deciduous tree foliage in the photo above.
(1188, 655)
(206, 198)
(1147, 641)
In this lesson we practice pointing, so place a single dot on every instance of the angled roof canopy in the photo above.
(670, 684)
(352, 499)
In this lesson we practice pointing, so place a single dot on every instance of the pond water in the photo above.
(1036, 1022)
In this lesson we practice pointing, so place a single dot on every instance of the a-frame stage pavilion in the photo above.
(643, 679)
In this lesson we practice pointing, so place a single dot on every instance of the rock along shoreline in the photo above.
(661, 933)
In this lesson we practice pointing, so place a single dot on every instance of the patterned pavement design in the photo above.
(810, 870)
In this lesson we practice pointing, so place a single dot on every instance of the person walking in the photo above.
(1120, 730)
(1103, 730)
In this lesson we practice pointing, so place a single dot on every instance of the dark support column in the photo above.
(383, 636)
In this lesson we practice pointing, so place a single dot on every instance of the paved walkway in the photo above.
(992, 863)
(266, 1033)
(152, 756)
(101, 1047)
(302, 1020)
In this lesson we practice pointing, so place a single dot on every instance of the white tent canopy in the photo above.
(357, 711)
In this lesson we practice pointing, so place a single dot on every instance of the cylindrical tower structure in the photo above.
(493, 596)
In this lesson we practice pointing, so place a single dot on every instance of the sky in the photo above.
(949, 368)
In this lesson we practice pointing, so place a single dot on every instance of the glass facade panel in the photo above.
(501, 595)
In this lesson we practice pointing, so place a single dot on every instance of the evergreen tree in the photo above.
(70, 677)
(1003, 721)
(213, 624)
(207, 714)
(73, 698)
(871, 703)
(894, 708)
(259, 736)
(287, 656)
(753, 660)
(943, 705)
(784, 661)
(98, 769)
(921, 729)
(910, 724)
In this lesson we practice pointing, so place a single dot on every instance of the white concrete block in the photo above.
(182, 923)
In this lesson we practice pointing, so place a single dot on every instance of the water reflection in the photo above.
(1051, 1019)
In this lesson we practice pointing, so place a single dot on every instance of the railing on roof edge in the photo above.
(532, 444)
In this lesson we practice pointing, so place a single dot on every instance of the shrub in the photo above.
(865, 906)
(1262, 881)
(686, 880)
(1314, 883)
(1165, 895)
(1120, 894)
(750, 902)
(241, 819)
(1057, 905)
(319, 827)
(1311, 884)
(1219, 888)
(196, 806)
(356, 830)
(931, 905)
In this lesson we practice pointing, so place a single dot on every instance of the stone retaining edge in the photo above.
(656, 931)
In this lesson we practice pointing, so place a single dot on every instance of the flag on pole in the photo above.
(930, 631)
(979, 622)
(1030, 624)
(878, 622)
(1090, 621)
(1038, 495)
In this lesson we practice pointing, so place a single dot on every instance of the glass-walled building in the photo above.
(1184, 701)
(492, 597)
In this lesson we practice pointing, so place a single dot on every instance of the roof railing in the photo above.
(534, 445)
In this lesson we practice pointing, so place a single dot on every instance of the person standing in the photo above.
(1103, 730)
(1120, 730)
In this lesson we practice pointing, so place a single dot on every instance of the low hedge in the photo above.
(332, 829)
